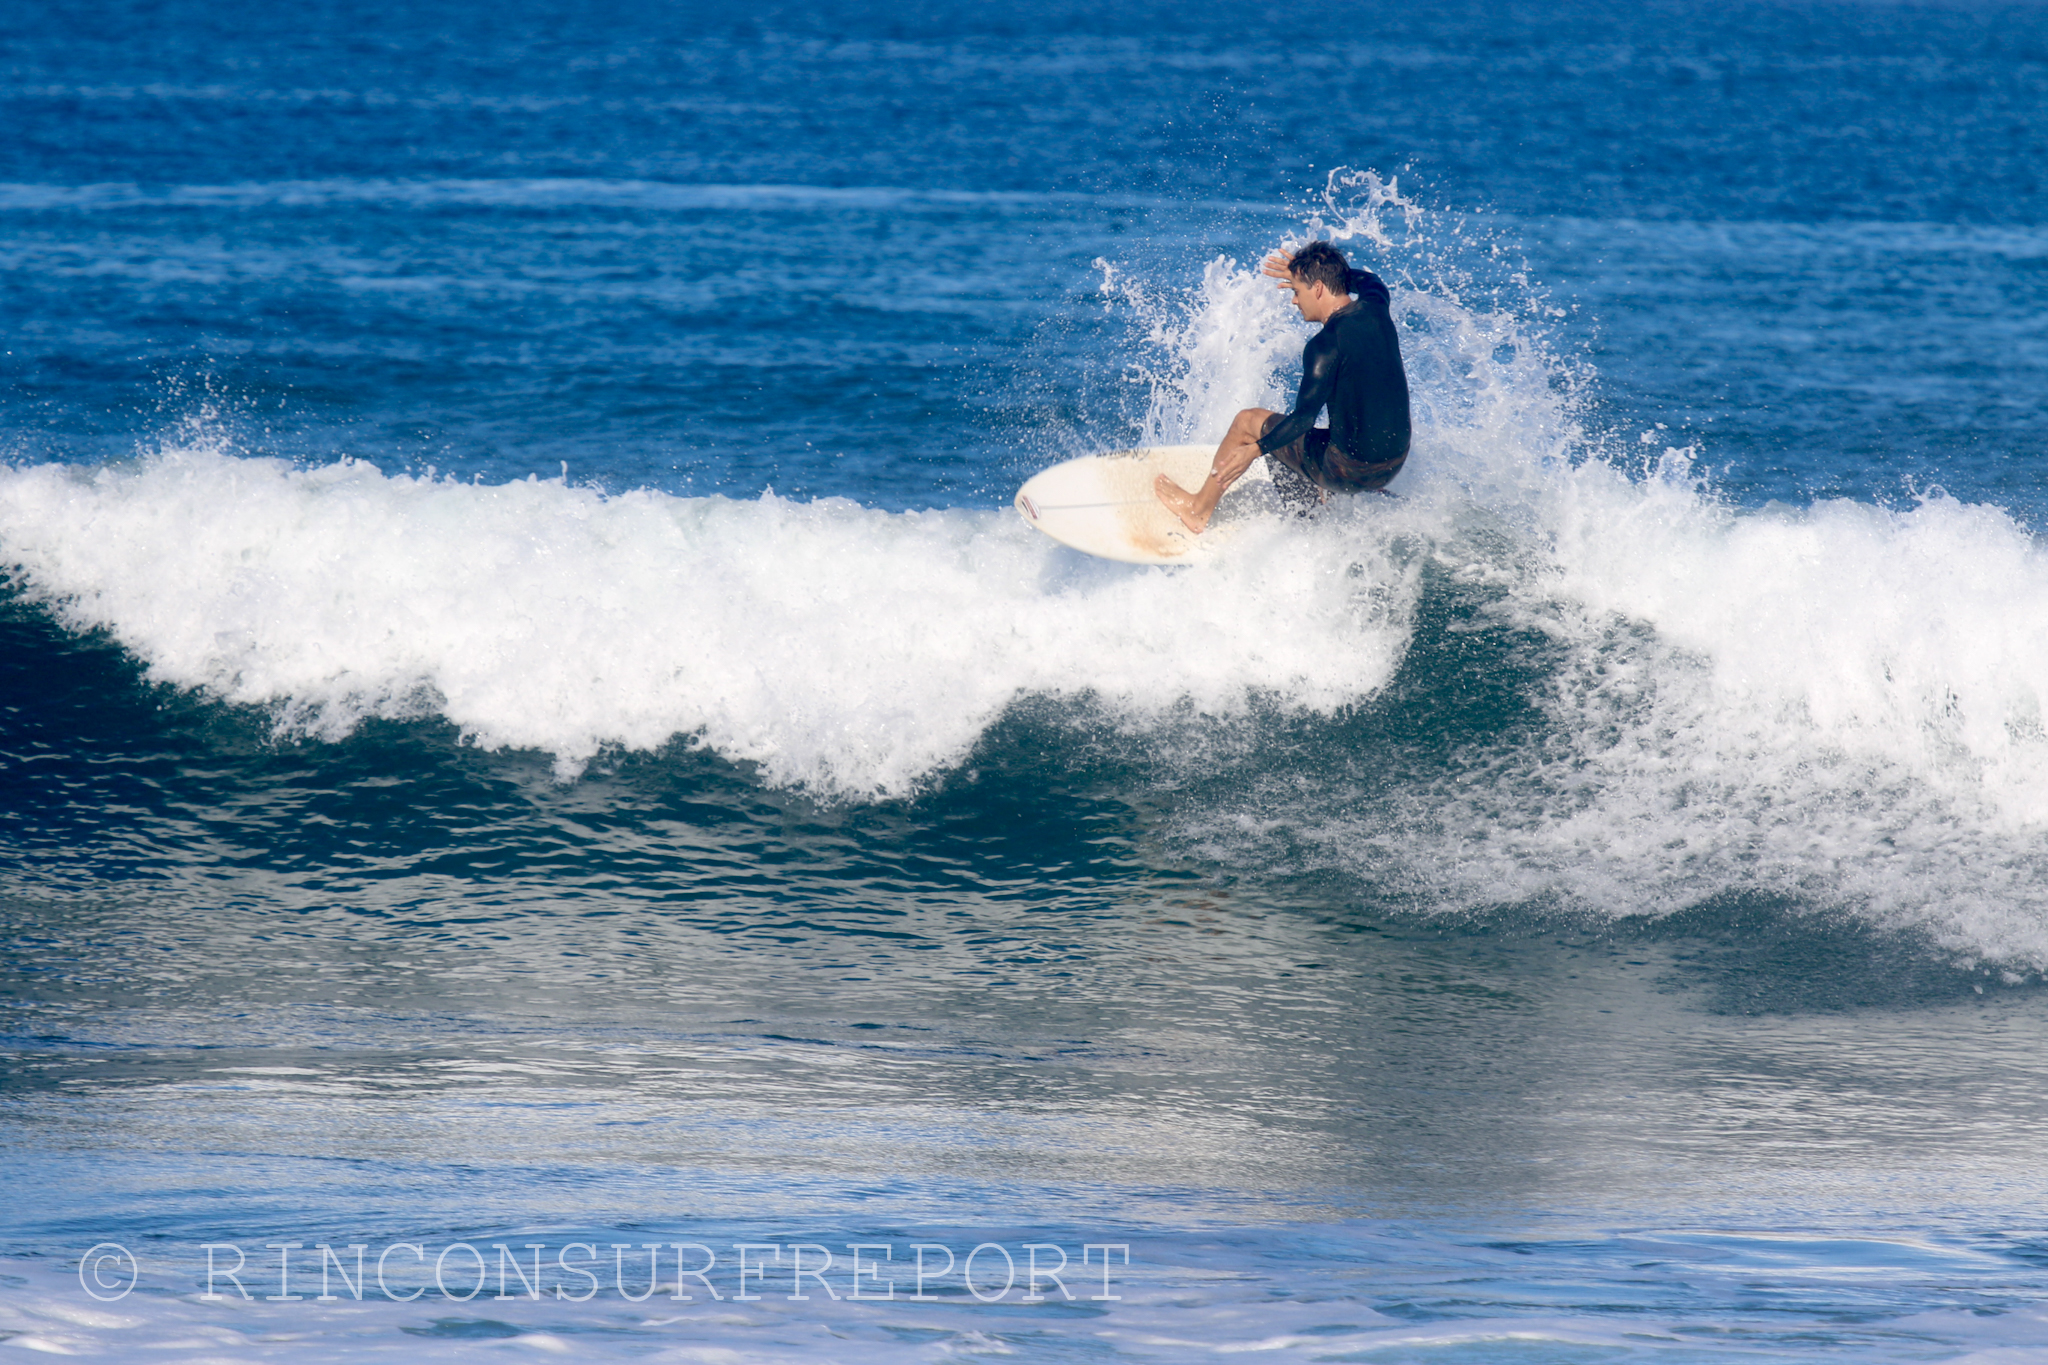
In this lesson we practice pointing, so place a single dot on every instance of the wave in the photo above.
(837, 647)
(1840, 704)
(1835, 708)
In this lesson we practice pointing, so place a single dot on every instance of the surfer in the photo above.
(1352, 367)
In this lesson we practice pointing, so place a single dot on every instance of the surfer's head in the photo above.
(1321, 280)
(1321, 263)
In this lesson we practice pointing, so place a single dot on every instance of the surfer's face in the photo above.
(1315, 302)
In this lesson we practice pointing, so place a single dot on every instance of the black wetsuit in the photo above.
(1353, 367)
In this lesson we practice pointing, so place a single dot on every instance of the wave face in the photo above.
(1838, 704)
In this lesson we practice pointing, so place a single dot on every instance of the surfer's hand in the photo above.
(1278, 265)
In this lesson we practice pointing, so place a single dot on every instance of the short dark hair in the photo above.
(1321, 263)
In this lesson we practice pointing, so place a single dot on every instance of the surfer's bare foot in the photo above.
(1183, 504)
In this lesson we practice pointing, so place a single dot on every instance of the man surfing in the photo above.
(1352, 367)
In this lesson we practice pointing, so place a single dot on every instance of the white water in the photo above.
(845, 649)
(1839, 703)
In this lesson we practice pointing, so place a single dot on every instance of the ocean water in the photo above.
(549, 808)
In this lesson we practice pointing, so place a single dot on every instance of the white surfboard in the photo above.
(1104, 504)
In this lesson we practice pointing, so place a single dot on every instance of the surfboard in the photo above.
(1104, 504)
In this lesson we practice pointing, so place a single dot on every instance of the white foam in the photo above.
(838, 647)
(1840, 703)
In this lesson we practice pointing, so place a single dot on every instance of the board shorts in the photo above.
(1306, 469)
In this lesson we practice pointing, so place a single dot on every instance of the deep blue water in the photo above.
(525, 716)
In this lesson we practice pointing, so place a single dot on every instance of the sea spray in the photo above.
(1837, 706)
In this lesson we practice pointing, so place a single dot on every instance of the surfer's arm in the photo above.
(1318, 382)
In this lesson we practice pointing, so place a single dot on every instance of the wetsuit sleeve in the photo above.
(1318, 382)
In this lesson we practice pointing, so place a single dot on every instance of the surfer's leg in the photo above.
(1234, 456)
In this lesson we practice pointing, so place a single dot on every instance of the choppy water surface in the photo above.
(531, 744)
